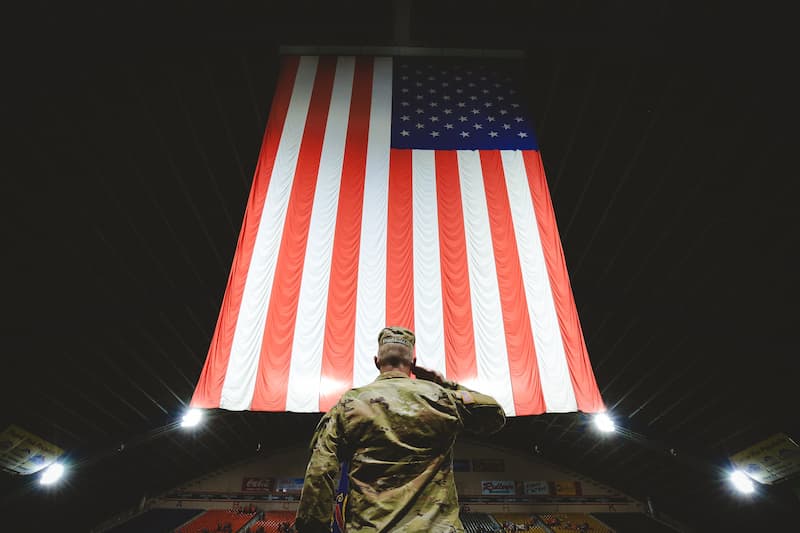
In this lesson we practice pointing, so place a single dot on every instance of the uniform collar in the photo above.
(389, 374)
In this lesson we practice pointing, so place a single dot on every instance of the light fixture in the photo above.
(52, 474)
(742, 482)
(192, 418)
(604, 423)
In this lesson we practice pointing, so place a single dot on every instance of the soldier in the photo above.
(397, 435)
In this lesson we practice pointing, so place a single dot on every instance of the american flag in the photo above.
(397, 191)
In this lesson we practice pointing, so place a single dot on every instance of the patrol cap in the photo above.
(396, 335)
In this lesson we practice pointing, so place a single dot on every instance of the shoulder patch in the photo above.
(466, 397)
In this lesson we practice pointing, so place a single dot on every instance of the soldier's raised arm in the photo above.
(479, 412)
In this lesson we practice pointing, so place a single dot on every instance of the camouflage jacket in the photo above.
(398, 435)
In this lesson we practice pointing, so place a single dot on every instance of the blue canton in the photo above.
(438, 106)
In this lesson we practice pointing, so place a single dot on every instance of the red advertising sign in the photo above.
(258, 484)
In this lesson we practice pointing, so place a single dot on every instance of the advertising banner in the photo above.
(537, 488)
(258, 484)
(22, 452)
(498, 487)
(294, 484)
(771, 460)
(567, 488)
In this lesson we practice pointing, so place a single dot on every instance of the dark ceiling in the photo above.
(131, 133)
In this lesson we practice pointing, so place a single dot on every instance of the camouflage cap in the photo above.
(397, 335)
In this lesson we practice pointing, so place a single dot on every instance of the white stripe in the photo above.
(302, 394)
(240, 378)
(553, 370)
(428, 309)
(371, 289)
(491, 352)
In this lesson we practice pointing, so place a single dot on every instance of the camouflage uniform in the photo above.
(398, 434)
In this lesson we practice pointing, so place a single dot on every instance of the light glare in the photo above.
(604, 423)
(742, 482)
(192, 418)
(52, 474)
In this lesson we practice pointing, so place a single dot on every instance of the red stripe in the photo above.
(525, 381)
(340, 318)
(459, 336)
(400, 242)
(209, 386)
(276, 349)
(587, 394)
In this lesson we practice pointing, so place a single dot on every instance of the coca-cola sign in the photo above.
(258, 484)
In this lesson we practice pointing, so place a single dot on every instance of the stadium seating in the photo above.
(519, 522)
(478, 523)
(211, 520)
(156, 521)
(633, 523)
(571, 522)
(271, 521)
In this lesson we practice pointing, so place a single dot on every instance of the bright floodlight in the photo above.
(192, 418)
(604, 423)
(52, 474)
(742, 482)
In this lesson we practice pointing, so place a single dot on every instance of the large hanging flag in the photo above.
(397, 191)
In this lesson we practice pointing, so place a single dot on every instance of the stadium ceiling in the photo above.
(131, 135)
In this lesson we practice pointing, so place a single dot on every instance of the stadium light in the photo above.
(192, 418)
(742, 482)
(51, 474)
(604, 423)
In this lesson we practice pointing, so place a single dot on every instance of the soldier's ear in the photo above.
(377, 365)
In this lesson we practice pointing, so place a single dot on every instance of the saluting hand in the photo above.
(428, 374)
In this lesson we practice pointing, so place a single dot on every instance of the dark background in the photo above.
(130, 135)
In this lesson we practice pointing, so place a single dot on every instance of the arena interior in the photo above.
(668, 132)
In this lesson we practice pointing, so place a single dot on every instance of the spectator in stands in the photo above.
(397, 434)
